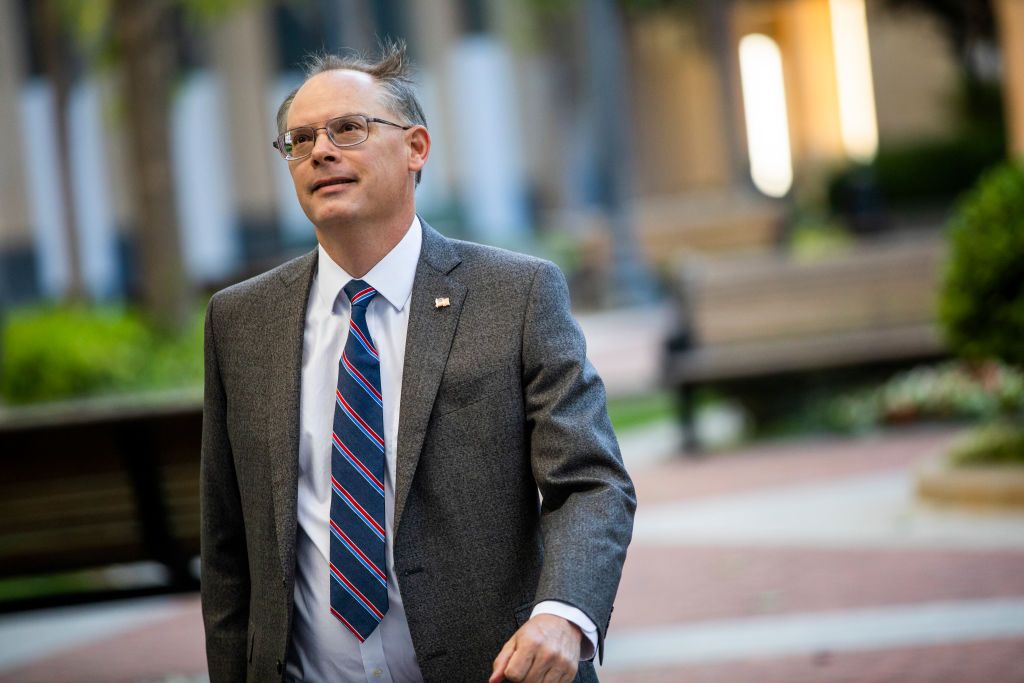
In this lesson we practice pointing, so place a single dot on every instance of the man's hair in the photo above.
(392, 70)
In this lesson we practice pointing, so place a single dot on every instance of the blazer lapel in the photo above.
(428, 342)
(284, 341)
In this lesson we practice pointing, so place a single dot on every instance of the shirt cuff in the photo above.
(588, 646)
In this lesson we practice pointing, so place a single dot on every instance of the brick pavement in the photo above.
(670, 582)
(786, 463)
(686, 584)
(995, 661)
(169, 646)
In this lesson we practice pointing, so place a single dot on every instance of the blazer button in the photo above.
(280, 667)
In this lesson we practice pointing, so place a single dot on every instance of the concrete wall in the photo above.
(915, 75)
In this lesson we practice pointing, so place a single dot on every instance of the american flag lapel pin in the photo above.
(441, 302)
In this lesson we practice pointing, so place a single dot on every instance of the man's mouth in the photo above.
(327, 182)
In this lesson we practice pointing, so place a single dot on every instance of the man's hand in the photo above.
(546, 649)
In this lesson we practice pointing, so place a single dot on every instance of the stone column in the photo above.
(805, 36)
(1010, 15)
(434, 29)
(19, 278)
(241, 48)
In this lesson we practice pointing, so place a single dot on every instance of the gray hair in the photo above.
(392, 70)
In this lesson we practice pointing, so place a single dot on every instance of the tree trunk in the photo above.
(142, 31)
(54, 58)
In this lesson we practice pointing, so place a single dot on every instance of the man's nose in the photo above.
(323, 148)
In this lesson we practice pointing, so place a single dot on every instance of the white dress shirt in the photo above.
(321, 649)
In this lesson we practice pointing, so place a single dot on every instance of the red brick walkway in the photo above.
(692, 583)
(170, 646)
(997, 661)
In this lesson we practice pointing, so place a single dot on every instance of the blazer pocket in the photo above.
(523, 613)
(467, 392)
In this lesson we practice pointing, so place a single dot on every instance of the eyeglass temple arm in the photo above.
(390, 123)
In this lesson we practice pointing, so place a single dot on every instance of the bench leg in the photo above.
(687, 413)
(140, 451)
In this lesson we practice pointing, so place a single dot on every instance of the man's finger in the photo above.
(551, 668)
(558, 675)
(539, 672)
(519, 665)
(501, 661)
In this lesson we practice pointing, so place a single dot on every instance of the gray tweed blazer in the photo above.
(498, 401)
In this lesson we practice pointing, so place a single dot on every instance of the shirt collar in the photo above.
(392, 276)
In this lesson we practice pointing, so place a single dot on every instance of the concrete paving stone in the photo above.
(787, 463)
(28, 636)
(873, 510)
(625, 346)
(990, 661)
(650, 446)
(851, 630)
(168, 647)
(665, 585)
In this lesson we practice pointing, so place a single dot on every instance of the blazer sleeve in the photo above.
(223, 554)
(588, 498)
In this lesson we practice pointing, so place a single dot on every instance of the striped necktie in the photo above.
(359, 589)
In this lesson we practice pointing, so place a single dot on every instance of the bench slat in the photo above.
(739, 360)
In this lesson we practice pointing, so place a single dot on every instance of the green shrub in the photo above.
(953, 390)
(626, 412)
(812, 238)
(981, 307)
(917, 173)
(995, 444)
(929, 172)
(55, 353)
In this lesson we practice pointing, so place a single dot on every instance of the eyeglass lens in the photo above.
(343, 131)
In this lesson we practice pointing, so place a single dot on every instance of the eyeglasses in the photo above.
(344, 131)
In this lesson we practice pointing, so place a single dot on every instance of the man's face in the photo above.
(370, 182)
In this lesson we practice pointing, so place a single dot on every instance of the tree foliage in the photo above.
(982, 302)
(138, 41)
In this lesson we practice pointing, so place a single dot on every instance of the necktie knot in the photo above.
(359, 293)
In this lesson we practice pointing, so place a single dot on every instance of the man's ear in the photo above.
(419, 148)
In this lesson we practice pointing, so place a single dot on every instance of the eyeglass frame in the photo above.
(278, 144)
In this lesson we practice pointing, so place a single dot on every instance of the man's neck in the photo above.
(358, 248)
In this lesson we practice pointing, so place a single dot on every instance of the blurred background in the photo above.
(794, 236)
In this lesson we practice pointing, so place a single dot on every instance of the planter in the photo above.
(993, 486)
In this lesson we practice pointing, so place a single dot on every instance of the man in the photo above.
(379, 416)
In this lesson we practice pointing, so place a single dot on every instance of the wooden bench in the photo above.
(767, 315)
(95, 483)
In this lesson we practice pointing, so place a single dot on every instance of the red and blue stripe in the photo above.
(347, 453)
(359, 422)
(363, 340)
(351, 546)
(358, 509)
(362, 294)
(354, 373)
(350, 588)
(345, 621)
